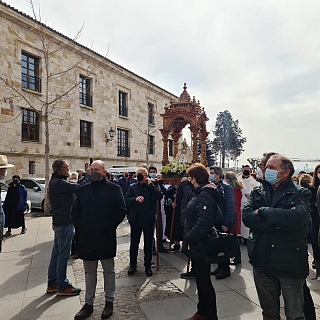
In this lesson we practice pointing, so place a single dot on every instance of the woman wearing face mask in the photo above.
(14, 206)
(235, 229)
(200, 214)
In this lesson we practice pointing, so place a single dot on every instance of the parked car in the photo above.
(118, 172)
(36, 190)
(4, 189)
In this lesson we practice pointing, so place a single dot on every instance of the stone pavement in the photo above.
(164, 296)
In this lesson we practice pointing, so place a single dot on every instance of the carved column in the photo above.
(176, 136)
(203, 136)
(165, 135)
(194, 138)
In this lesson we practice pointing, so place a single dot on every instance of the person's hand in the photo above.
(140, 199)
(88, 171)
(184, 179)
(174, 204)
(256, 211)
(224, 228)
(148, 180)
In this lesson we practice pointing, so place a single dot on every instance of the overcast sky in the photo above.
(258, 59)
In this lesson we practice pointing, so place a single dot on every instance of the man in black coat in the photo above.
(61, 195)
(98, 211)
(142, 199)
(277, 212)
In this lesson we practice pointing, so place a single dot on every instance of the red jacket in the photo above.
(236, 226)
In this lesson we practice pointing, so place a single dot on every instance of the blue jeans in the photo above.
(57, 272)
(269, 288)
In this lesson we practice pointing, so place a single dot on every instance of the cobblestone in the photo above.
(128, 298)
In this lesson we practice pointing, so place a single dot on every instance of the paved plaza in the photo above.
(164, 296)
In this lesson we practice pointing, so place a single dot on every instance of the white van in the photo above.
(118, 172)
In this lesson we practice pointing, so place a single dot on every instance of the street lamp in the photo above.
(111, 134)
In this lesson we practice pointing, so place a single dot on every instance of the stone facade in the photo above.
(22, 36)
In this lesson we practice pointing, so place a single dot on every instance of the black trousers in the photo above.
(308, 306)
(207, 305)
(134, 244)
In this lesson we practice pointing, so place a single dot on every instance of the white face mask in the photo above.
(259, 173)
(318, 175)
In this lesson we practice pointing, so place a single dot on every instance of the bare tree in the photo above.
(61, 88)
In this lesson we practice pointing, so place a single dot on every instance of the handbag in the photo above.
(214, 248)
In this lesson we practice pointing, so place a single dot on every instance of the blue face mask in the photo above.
(295, 182)
(152, 175)
(5, 174)
(271, 176)
(212, 177)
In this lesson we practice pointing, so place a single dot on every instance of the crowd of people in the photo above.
(269, 210)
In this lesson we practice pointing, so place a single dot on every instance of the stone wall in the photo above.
(19, 33)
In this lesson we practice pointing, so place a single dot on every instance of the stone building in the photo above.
(89, 97)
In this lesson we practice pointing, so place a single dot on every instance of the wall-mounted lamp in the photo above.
(111, 134)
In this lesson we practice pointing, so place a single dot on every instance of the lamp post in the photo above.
(111, 134)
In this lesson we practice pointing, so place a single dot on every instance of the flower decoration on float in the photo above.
(175, 169)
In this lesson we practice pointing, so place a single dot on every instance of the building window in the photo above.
(150, 113)
(30, 72)
(85, 91)
(30, 125)
(150, 144)
(123, 104)
(170, 147)
(85, 134)
(32, 167)
(123, 143)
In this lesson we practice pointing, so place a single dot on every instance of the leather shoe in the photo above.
(197, 316)
(132, 271)
(85, 312)
(107, 311)
(224, 273)
(235, 262)
(215, 271)
(149, 272)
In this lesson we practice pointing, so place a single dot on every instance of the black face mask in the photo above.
(246, 172)
(16, 181)
(139, 176)
(126, 175)
(305, 184)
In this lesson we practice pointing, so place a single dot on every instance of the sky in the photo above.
(258, 59)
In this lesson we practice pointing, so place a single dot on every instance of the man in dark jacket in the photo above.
(142, 199)
(224, 218)
(98, 211)
(125, 182)
(278, 215)
(61, 200)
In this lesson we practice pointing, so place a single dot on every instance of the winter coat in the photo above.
(184, 195)
(236, 225)
(23, 196)
(125, 184)
(277, 244)
(200, 212)
(227, 207)
(144, 213)
(61, 198)
(98, 210)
